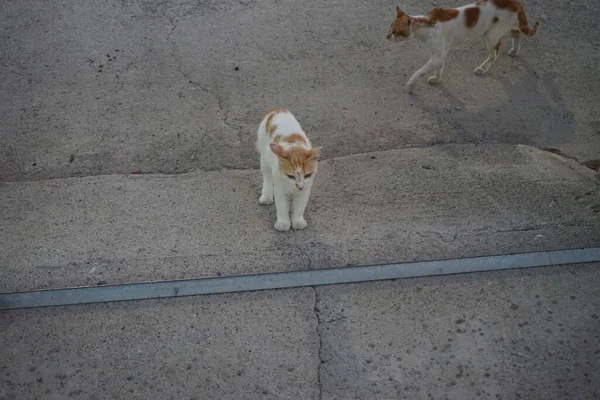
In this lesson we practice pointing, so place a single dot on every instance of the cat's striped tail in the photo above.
(524, 25)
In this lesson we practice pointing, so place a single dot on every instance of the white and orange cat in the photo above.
(288, 163)
(441, 28)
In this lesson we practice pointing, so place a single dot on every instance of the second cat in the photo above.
(441, 28)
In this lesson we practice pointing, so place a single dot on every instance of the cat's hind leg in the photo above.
(493, 46)
(266, 197)
(516, 42)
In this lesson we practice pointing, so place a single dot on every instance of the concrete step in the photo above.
(401, 205)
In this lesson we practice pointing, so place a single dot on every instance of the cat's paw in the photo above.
(282, 226)
(479, 71)
(299, 224)
(513, 52)
(433, 80)
(265, 201)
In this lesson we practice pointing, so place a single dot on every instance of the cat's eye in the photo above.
(291, 176)
(307, 176)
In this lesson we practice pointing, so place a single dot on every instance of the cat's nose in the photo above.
(299, 187)
(389, 35)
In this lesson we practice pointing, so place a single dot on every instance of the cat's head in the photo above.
(297, 164)
(401, 27)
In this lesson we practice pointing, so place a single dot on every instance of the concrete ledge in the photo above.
(413, 204)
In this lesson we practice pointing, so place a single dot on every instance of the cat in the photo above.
(441, 28)
(288, 163)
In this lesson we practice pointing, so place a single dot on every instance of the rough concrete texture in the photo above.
(506, 335)
(168, 86)
(174, 89)
(241, 346)
(510, 335)
(447, 201)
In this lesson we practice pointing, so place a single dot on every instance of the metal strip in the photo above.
(281, 280)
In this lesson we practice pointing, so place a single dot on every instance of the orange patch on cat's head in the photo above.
(296, 160)
(401, 26)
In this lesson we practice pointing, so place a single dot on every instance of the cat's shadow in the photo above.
(529, 110)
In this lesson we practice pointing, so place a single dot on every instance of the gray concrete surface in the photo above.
(115, 87)
(506, 335)
(417, 204)
(93, 91)
(510, 335)
(243, 346)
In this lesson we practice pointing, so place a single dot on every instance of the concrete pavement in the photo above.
(92, 92)
(246, 346)
(402, 205)
(503, 335)
(172, 86)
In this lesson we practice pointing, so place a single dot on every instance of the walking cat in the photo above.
(288, 164)
(441, 28)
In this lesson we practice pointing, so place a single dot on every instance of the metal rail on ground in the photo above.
(282, 280)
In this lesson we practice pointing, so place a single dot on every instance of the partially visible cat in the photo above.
(288, 163)
(441, 28)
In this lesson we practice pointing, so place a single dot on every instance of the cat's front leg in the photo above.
(437, 76)
(434, 62)
(440, 55)
(266, 196)
(283, 209)
(298, 206)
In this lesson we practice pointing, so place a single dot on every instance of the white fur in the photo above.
(278, 186)
(444, 35)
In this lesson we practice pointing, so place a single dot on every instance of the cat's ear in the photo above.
(315, 154)
(278, 150)
(399, 12)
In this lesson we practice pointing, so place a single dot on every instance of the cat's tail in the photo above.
(524, 25)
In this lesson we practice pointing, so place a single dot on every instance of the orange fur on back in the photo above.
(441, 14)
(471, 16)
(271, 128)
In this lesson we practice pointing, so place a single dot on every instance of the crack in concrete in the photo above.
(317, 311)
(542, 227)
(223, 110)
(166, 172)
